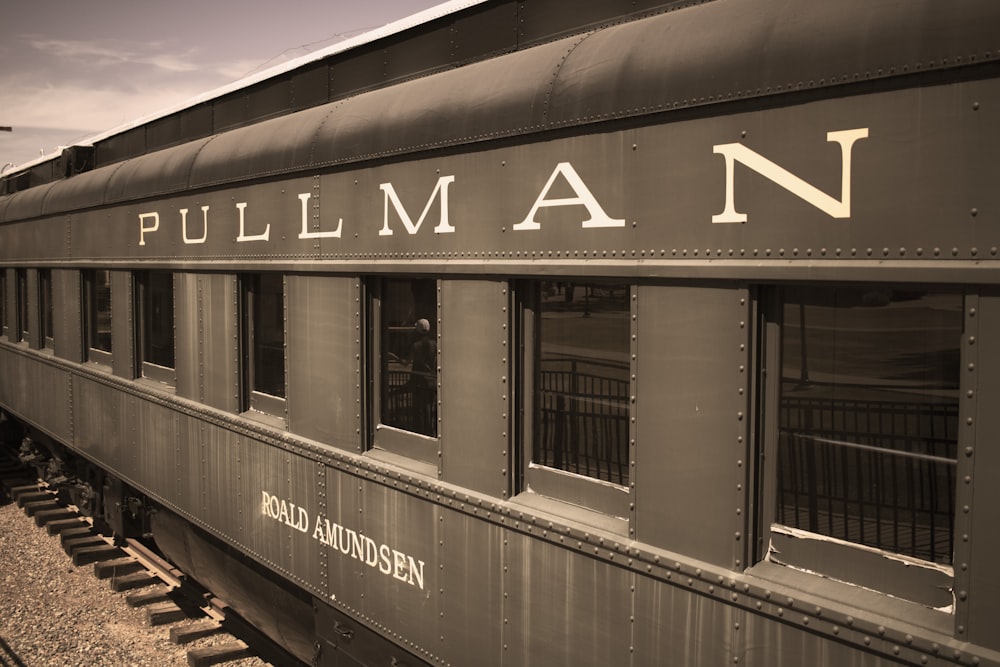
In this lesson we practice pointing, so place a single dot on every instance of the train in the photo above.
(640, 332)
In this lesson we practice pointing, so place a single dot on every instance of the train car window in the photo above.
(45, 307)
(575, 354)
(408, 338)
(264, 338)
(405, 324)
(22, 323)
(867, 422)
(155, 292)
(97, 315)
(3, 302)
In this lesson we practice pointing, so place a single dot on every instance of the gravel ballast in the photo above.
(55, 614)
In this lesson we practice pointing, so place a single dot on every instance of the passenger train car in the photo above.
(631, 333)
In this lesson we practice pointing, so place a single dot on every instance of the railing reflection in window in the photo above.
(583, 420)
(581, 385)
(868, 418)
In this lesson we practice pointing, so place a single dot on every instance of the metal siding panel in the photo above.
(68, 316)
(100, 421)
(483, 30)
(769, 642)
(188, 330)
(675, 626)
(563, 607)
(280, 533)
(324, 363)
(475, 414)
(345, 576)
(156, 446)
(471, 591)
(218, 335)
(411, 526)
(189, 488)
(310, 86)
(691, 429)
(983, 575)
(269, 98)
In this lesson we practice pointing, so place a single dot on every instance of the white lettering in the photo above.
(243, 235)
(155, 217)
(584, 197)
(385, 564)
(306, 234)
(204, 226)
(444, 227)
(834, 208)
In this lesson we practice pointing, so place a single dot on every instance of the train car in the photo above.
(637, 333)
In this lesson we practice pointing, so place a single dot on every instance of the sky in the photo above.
(71, 69)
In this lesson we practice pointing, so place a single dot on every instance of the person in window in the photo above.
(423, 378)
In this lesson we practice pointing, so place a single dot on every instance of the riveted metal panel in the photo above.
(187, 339)
(978, 578)
(268, 98)
(120, 147)
(310, 86)
(404, 601)
(475, 385)
(691, 423)
(218, 349)
(38, 392)
(761, 642)
(100, 421)
(571, 591)
(675, 625)
(485, 29)
(471, 571)
(363, 69)
(166, 171)
(274, 498)
(123, 356)
(67, 324)
(324, 364)
(150, 447)
(35, 240)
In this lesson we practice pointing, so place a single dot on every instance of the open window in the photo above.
(45, 309)
(404, 329)
(575, 360)
(862, 441)
(97, 315)
(264, 342)
(155, 312)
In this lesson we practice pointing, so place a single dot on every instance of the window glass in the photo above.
(408, 340)
(156, 312)
(3, 302)
(266, 295)
(45, 306)
(868, 417)
(97, 304)
(581, 379)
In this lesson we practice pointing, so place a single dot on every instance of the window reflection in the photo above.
(156, 298)
(267, 303)
(581, 379)
(97, 285)
(408, 335)
(868, 417)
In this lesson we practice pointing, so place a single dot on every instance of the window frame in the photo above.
(397, 442)
(91, 312)
(253, 399)
(780, 550)
(22, 316)
(46, 310)
(148, 369)
(588, 492)
(3, 302)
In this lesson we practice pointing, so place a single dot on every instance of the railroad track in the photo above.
(147, 581)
